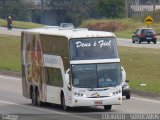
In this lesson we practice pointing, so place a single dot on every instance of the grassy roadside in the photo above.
(20, 24)
(141, 64)
(9, 53)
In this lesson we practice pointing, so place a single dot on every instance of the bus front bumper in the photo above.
(82, 101)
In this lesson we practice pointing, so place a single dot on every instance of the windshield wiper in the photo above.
(110, 85)
(97, 89)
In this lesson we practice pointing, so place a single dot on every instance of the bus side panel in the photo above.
(24, 84)
(32, 64)
(24, 81)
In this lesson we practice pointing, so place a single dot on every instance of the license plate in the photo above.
(98, 102)
(148, 38)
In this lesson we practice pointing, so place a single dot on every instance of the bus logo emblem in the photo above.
(98, 95)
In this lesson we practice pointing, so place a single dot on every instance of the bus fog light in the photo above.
(111, 94)
(76, 101)
(84, 95)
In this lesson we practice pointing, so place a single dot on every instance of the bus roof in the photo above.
(70, 33)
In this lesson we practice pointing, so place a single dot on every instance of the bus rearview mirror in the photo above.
(67, 78)
(67, 81)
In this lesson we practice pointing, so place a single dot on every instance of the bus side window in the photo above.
(54, 77)
(47, 76)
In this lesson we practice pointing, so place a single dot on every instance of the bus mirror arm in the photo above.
(67, 79)
(67, 72)
(67, 76)
(69, 87)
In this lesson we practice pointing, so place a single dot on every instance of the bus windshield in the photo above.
(93, 48)
(96, 75)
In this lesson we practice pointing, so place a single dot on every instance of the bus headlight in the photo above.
(115, 93)
(111, 94)
(84, 96)
(77, 94)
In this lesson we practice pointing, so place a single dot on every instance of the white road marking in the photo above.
(7, 77)
(148, 100)
(51, 111)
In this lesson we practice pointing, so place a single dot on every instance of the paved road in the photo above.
(12, 102)
(128, 43)
(14, 31)
(120, 41)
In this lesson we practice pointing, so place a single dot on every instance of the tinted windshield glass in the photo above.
(93, 48)
(96, 75)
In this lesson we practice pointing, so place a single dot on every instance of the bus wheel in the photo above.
(38, 102)
(108, 107)
(63, 103)
(33, 98)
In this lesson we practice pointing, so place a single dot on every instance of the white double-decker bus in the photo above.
(71, 67)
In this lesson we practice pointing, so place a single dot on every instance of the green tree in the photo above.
(111, 8)
(74, 11)
(15, 8)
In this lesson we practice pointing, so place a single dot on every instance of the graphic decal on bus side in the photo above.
(33, 61)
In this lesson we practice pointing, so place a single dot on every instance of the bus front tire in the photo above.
(108, 107)
(63, 103)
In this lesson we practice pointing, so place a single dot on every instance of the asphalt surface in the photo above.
(14, 31)
(12, 102)
(128, 43)
(120, 41)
